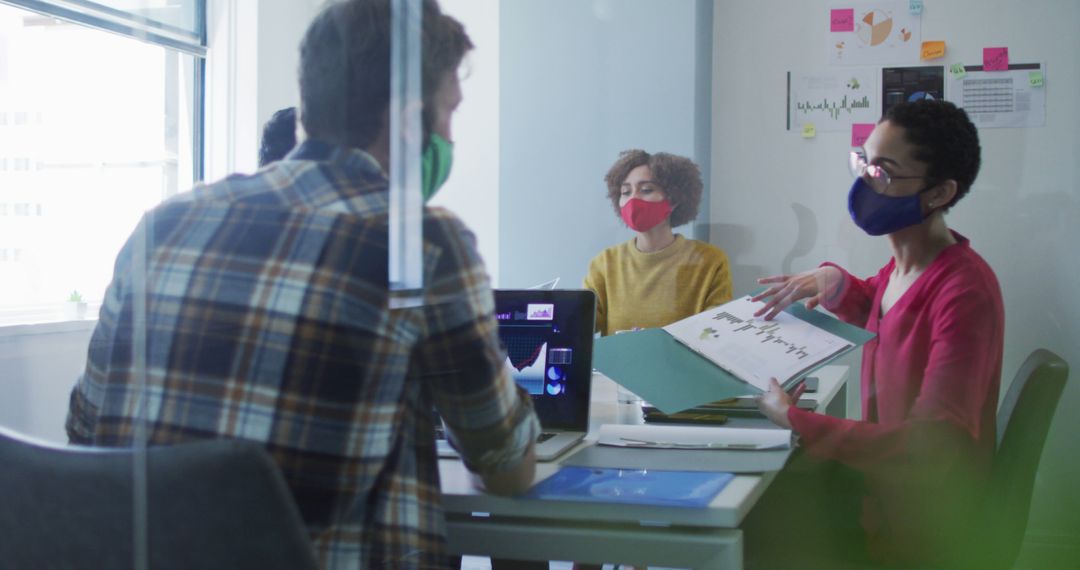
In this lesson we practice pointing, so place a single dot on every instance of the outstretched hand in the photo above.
(784, 290)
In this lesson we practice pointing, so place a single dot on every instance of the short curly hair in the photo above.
(944, 138)
(677, 176)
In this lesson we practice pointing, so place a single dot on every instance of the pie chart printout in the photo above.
(874, 28)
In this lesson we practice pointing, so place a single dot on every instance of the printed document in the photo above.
(753, 349)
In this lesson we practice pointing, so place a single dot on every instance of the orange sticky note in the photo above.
(996, 59)
(860, 132)
(932, 50)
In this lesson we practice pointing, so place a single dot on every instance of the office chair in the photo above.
(1023, 420)
(212, 504)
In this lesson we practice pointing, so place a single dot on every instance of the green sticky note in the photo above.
(957, 70)
(809, 131)
(1035, 79)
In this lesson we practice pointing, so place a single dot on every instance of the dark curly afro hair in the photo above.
(677, 176)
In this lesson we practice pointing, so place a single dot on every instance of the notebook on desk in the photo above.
(548, 338)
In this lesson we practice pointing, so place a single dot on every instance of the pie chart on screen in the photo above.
(874, 28)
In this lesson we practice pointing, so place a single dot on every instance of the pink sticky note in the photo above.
(860, 132)
(842, 20)
(996, 59)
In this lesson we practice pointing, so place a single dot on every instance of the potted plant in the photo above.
(75, 308)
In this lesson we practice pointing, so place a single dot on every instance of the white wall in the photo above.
(38, 367)
(251, 73)
(582, 81)
(779, 201)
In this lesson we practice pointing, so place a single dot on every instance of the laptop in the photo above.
(548, 339)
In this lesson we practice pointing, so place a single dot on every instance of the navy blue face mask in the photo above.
(878, 214)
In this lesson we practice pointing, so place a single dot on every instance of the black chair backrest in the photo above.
(1023, 421)
(211, 504)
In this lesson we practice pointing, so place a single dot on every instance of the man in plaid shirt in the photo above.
(267, 316)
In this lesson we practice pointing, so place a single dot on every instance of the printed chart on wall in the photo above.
(905, 84)
(863, 33)
(1009, 98)
(832, 99)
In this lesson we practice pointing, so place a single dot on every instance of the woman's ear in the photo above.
(942, 194)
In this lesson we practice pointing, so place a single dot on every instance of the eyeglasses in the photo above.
(874, 175)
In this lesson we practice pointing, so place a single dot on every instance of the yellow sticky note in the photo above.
(1035, 79)
(809, 131)
(932, 50)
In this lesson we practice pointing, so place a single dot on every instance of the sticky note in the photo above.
(996, 59)
(809, 131)
(842, 20)
(932, 50)
(1035, 79)
(860, 132)
(957, 70)
(915, 7)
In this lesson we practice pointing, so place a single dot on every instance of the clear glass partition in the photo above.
(664, 153)
(100, 120)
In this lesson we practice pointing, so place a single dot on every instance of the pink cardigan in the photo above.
(930, 383)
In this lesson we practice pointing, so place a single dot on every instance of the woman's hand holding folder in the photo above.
(774, 404)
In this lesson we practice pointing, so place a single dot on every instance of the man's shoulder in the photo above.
(442, 225)
(342, 185)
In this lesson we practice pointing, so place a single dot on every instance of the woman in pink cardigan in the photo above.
(920, 457)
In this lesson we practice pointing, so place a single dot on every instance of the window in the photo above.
(95, 128)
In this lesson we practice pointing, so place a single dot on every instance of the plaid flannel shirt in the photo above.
(267, 319)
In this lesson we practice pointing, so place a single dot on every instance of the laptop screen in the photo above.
(548, 337)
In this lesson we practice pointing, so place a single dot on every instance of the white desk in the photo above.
(487, 525)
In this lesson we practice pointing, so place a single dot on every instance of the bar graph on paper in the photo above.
(832, 99)
(752, 348)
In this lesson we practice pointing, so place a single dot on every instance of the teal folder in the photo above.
(654, 365)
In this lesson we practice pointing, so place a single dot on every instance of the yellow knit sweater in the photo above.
(645, 290)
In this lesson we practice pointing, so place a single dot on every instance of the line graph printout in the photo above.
(832, 99)
(754, 349)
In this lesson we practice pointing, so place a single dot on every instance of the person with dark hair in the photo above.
(930, 377)
(269, 316)
(278, 136)
(658, 277)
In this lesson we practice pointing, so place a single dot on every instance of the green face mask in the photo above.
(435, 164)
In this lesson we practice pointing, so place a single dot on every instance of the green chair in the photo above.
(1023, 420)
(212, 504)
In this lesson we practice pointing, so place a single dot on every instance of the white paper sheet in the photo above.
(693, 437)
(753, 349)
(881, 32)
(1000, 98)
(832, 99)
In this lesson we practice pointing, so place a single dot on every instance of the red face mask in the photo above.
(643, 216)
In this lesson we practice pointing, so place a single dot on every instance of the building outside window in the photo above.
(100, 120)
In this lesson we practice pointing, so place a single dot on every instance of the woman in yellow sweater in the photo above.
(657, 277)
